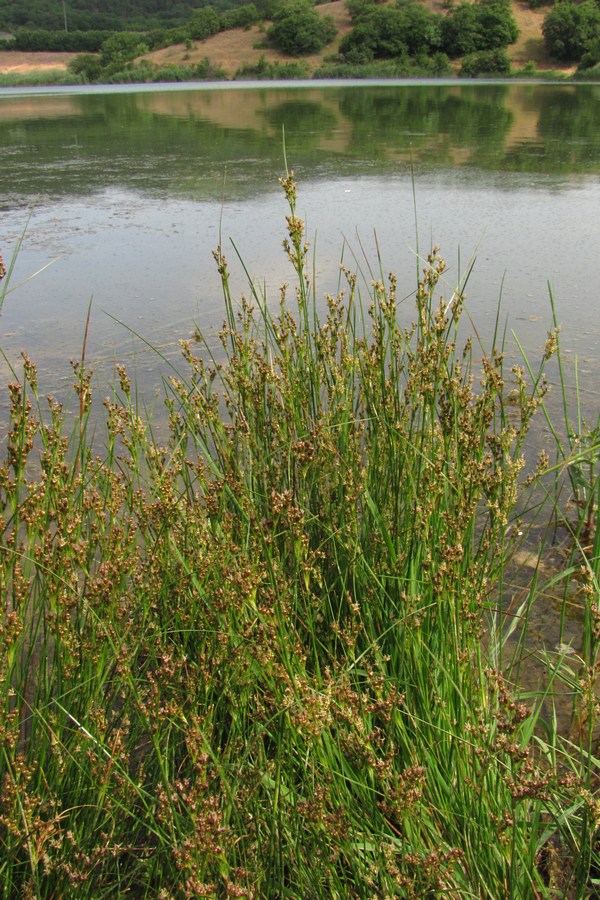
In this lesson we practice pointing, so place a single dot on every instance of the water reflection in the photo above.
(132, 190)
(79, 143)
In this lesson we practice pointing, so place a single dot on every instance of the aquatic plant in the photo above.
(265, 657)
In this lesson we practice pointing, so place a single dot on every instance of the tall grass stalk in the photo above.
(256, 661)
(7, 272)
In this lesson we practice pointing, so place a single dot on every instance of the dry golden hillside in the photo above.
(15, 61)
(231, 50)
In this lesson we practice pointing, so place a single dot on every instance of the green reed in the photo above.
(38, 77)
(264, 658)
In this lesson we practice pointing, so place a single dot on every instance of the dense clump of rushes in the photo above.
(264, 658)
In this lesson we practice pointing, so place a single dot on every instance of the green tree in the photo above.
(205, 21)
(572, 29)
(121, 48)
(497, 24)
(591, 57)
(484, 25)
(486, 62)
(298, 29)
(392, 32)
(460, 30)
(88, 65)
(241, 17)
(358, 8)
(70, 42)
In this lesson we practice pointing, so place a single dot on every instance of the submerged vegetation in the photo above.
(269, 656)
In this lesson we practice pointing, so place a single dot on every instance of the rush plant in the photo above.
(257, 659)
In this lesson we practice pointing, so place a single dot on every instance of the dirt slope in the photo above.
(15, 61)
(530, 43)
(230, 50)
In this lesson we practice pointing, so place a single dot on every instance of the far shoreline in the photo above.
(19, 69)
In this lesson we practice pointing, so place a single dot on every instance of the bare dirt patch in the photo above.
(16, 61)
(530, 43)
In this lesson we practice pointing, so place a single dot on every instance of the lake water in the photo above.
(126, 191)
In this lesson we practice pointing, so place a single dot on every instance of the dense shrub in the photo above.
(571, 29)
(120, 48)
(471, 27)
(30, 40)
(432, 66)
(392, 32)
(87, 65)
(204, 22)
(591, 57)
(486, 62)
(267, 8)
(164, 37)
(460, 30)
(298, 29)
(410, 28)
(589, 74)
(497, 24)
(240, 17)
(378, 35)
(358, 8)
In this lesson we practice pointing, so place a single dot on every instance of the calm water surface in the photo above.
(127, 191)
